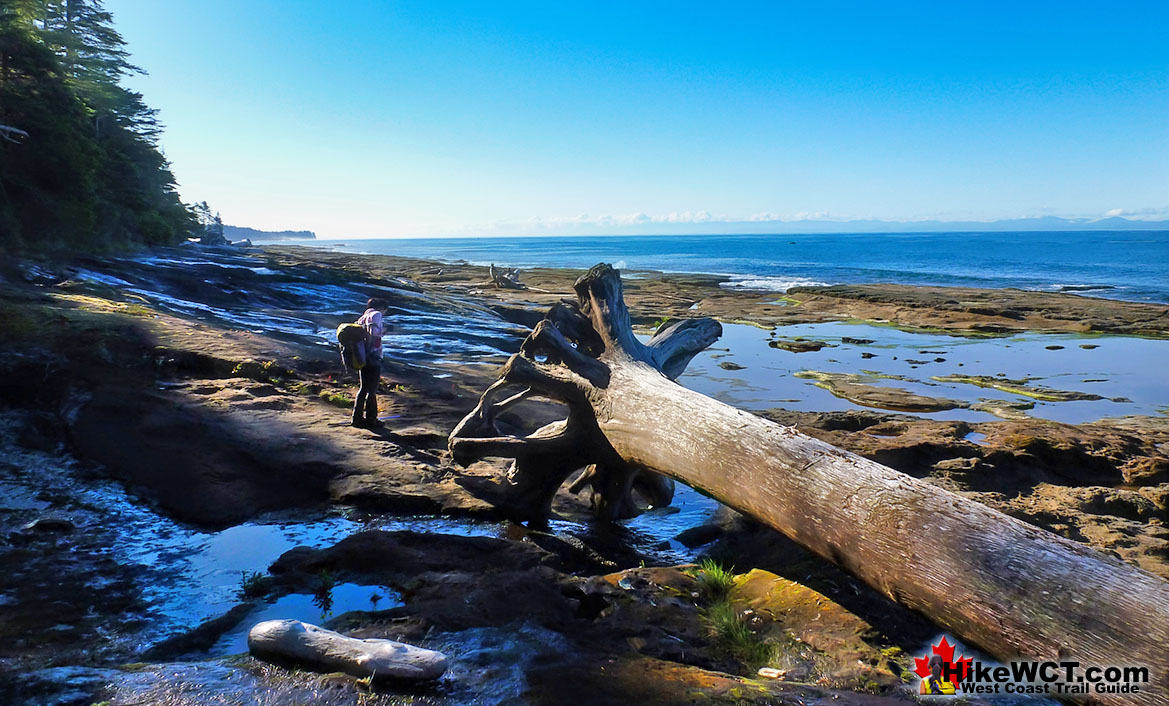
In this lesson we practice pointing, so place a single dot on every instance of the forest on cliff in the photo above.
(80, 165)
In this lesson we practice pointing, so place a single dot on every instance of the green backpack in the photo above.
(352, 338)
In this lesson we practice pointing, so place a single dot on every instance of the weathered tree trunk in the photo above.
(1013, 589)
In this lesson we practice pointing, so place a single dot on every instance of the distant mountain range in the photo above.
(716, 226)
(1045, 223)
(240, 233)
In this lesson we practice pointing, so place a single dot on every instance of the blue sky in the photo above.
(381, 119)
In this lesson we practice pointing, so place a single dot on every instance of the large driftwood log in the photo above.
(508, 278)
(1014, 589)
(505, 278)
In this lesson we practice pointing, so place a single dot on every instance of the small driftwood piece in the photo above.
(302, 644)
(1013, 589)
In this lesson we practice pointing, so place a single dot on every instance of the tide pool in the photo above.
(1126, 372)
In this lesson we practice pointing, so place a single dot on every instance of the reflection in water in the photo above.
(323, 596)
(315, 608)
(323, 599)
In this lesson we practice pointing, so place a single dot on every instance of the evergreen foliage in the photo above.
(90, 175)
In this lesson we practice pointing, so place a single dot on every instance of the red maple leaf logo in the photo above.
(963, 665)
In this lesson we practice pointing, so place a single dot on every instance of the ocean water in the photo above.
(1131, 265)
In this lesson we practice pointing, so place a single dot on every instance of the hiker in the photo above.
(365, 406)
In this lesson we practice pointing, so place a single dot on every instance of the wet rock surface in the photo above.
(857, 388)
(817, 637)
(797, 345)
(1019, 387)
(656, 294)
(609, 627)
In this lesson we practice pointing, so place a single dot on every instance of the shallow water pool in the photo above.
(1126, 371)
(310, 608)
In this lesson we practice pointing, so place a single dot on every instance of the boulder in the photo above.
(324, 650)
(798, 345)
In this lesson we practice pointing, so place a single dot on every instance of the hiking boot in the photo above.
(359, 423)
(374, 423)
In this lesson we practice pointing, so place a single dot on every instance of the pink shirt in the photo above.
(371, 321)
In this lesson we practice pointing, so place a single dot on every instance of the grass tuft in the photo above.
(734, 636)
(714, 581)
(732, 633)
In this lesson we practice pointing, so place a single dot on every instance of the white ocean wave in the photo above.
(769, 284)
(1089, 287)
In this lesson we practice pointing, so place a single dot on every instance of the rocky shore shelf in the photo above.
(194, 396)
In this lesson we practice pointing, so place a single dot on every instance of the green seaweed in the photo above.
(747, 322)
(1004, 409)
(1019, 387)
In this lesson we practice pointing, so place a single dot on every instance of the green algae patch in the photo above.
(815, 638)
(263, 371)
(788, 301)
(335, 398)
(747, 322)
(1019, 387)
